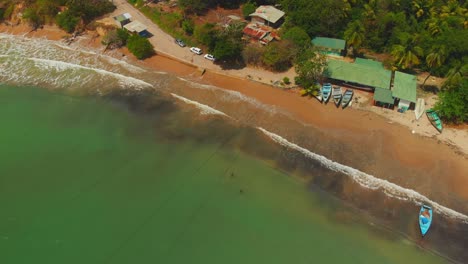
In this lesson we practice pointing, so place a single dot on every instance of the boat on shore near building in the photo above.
(347, 97)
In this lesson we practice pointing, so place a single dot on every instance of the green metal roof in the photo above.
(338, 44)
(383, 96)
(370, 63)
(358, 73)
(404, 86)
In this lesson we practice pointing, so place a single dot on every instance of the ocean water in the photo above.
(103, 162)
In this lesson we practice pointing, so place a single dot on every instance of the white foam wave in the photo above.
(369, 181)
(61, 66)
(204, 109)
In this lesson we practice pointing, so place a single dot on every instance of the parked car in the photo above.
(210, 57)
(180, 42)
(196, 50)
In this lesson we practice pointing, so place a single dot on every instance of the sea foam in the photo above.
(369, 181)
(204, 109)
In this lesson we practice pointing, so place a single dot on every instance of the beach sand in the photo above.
(392, 147)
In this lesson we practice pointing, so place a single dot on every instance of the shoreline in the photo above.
(353, 124)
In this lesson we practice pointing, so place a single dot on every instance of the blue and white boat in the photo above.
(326, 92)
(425, 219)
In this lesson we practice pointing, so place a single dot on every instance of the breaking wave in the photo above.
(369, 181)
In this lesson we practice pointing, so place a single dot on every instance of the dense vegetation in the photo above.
(70, 15)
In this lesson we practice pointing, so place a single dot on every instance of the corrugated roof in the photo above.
(135, 26)
(383, 95)
(358, 73)
(255, 32)
(370, 63)
(268, 13)
(404, 86)
(331, 43)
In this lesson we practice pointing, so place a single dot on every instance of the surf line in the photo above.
(369, 181)
(204, 109)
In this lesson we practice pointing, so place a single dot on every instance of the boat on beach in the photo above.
(326, 92)
(347, 96)
(425, 219)
(319, 95)
(419, 109)
(337, 95)
(434, 119)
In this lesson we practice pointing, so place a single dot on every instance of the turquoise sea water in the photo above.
(94, 180)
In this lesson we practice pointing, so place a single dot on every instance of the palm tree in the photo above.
(455, 76)
(407, 53)
(354, 34)
(435, 59)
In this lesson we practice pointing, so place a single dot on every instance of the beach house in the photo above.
(122, 19)
(268, 15)
(135, 27)
(404, 90)
(330, 46)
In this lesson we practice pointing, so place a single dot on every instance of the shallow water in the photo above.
(86, 180)
(124, 164)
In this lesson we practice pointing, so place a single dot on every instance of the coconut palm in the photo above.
(407, 53)
(455, 76)
(435, 59)
(354, 34)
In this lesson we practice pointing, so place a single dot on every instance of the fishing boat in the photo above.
(319, 95)
(348, 95)
(326, 92)
(434, 119)
(419, 109)
(425, 219)
(337, 95)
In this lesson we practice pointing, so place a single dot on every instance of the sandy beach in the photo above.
(393, 147)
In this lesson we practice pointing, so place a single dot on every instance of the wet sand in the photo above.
(390, 149)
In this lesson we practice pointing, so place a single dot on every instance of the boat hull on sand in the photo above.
(419, 109)
(347, 97)
(425, 219)
(337, 95)
(326, 92)
(434, 119)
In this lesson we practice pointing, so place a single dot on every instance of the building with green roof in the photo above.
(122, 19)
(330, 46)
(383, 97)
(366, 76)
(404, 89)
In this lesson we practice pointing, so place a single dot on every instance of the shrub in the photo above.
(32, 17)
(252, 54)
(206, 35)
(8, 11)
(453, 104)
(278, 56)
(140, 47)
(188, 26)
(115, 38)
(286, 80)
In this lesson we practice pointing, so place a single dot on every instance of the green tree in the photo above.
(193, 6)
(310, 71)
(227, 49)
(140, 47)
(67, 21)
(298, 36)
(408, 52)
(30, 14)
(278, 55)
(355, 35)
(206, 35)
(455, 77)
(435, 59)
(253, 54)
(248, 8)
(453, 104)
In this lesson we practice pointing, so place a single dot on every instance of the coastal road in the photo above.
(164, 44)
